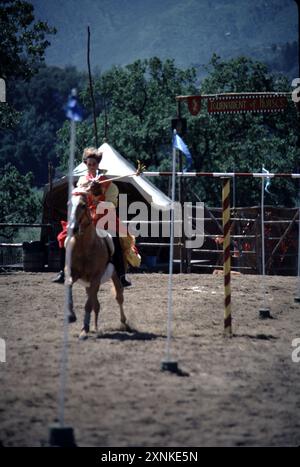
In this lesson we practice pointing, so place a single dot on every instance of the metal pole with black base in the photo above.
(62, 435)
(264, 311)
(168, 364)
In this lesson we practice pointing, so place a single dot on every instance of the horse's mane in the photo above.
(93, 186)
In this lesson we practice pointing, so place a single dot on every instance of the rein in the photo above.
(85, 219)
(140, 169)
(84, 225)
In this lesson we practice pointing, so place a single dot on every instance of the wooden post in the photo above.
(226, 256)
(91, 87)
(50, 231)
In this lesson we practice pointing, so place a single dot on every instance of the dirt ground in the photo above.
(242, 391)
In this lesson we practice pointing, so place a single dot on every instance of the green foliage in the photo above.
(244, 143)
(23, 44)
(140, 99)
(23, 41)
(19, 202)
(84, 138)
(40, 109)
(9, 117)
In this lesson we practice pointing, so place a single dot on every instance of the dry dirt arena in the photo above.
(242, 391)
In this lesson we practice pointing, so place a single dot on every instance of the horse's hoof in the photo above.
(72, 318)
(125, 327)
(83, 335)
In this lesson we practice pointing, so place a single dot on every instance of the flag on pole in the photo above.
(73, 110)
(267, 180)
(179, 144)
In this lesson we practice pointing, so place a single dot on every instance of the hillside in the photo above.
(189, 31)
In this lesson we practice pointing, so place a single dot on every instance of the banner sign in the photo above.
(194, 104)
(240, 103)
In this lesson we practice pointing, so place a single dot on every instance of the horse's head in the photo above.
(80, 213)
(95, 188)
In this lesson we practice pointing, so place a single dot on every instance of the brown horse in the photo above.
(90, 255)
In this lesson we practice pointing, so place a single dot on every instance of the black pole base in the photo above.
(264, 313)
(61, 436)
(172, 367)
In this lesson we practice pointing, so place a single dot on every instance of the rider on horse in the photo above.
(102, 190)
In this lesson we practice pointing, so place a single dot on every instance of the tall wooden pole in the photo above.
(226, 256)
(50, 181)
(91, 87)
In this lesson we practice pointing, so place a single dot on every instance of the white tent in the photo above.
(115, 165)
(137, 188)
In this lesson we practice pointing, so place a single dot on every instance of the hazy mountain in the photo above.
(187, 30)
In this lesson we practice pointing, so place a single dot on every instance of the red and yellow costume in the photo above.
(109, 195)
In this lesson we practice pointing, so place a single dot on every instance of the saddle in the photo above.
(108, 239)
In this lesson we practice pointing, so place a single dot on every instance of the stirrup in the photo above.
(60, 278)
(125, 282)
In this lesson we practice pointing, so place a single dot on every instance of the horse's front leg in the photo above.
(91, 304)
(70, 306)
(95, 303)
(87, 316)
(120, 300)
(96, 318)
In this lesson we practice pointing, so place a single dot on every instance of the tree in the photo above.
(23, 41)
(141, 103)
(23, 44)
(140, 99)
(41, 104)
(244, 143)
(18, 201)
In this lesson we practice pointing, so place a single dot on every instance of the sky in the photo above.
(187, 30)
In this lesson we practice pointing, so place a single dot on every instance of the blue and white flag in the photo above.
(73, 110)
(267, 180)
(178, 143)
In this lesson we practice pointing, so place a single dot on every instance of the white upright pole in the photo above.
(168, 364)
(64, 356)
(297, 298)
(233, 192)
(263, 259)
(60, 434)
(264, 312)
